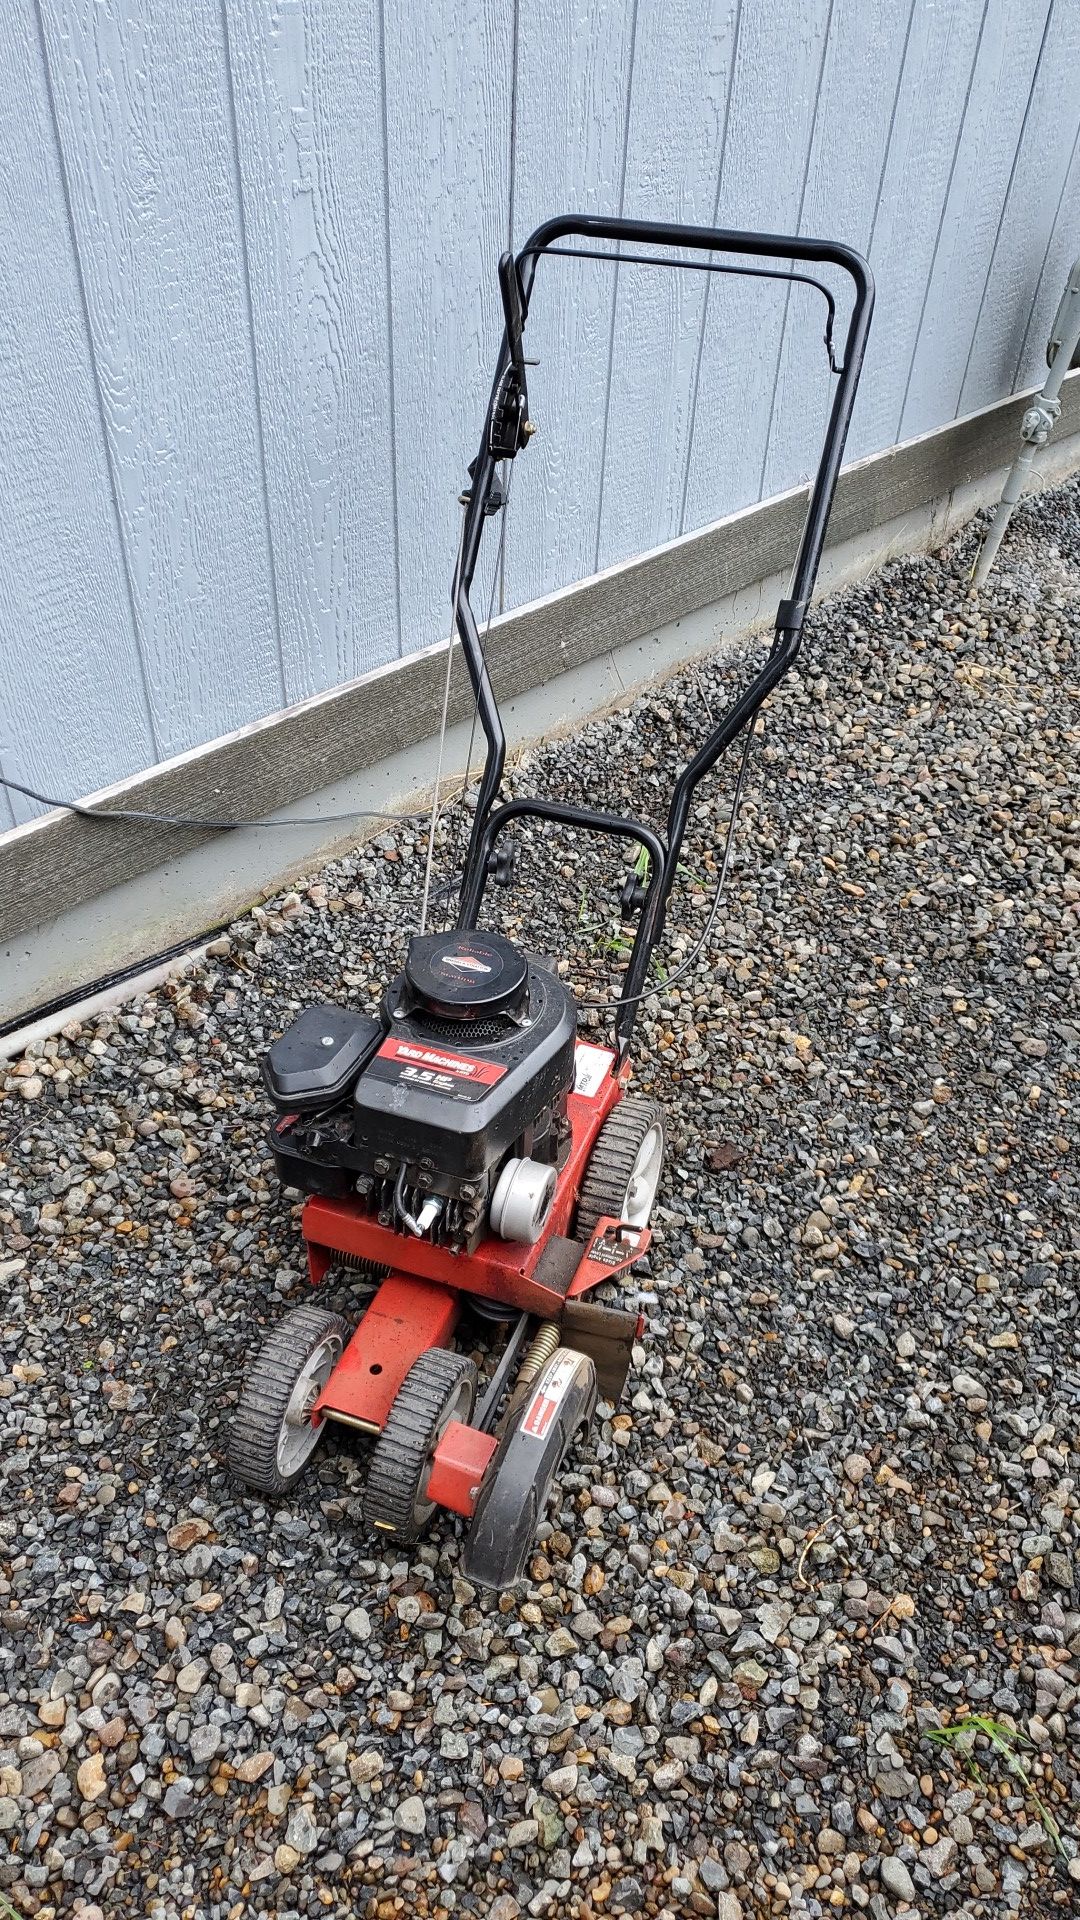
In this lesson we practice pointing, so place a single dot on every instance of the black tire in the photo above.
(260, 1453)
(439, 1387)
(605, 1188)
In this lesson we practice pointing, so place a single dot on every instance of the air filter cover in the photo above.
(317, 1060)
(466, 975)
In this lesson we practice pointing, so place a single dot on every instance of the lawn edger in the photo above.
(468, 1159)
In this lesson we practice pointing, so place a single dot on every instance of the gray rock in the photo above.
(204, 1743)
(941, 1858)
(895, 1876)
(303, 1835)
(773, 1619)
(411, 1815)
(561, 1782)
(38, 1772)
(523, 1833)
(966, 1385)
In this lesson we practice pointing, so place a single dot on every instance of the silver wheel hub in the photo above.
(644, 1178)
(299, 1437)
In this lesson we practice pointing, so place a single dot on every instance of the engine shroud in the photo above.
(470, 1063)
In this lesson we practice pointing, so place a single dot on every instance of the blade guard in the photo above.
(515, 1488)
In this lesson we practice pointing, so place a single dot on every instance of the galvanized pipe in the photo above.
(1039, 420)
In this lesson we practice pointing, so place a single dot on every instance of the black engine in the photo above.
(446, 1116)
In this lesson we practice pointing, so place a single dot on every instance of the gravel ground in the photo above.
(837, 1509)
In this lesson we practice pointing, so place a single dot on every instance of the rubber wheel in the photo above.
(272, 1437)
(439, 1387)
(624, 1167)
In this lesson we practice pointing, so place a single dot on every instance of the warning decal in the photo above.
(546, 1400)
(615, 1249)
(591, 1067)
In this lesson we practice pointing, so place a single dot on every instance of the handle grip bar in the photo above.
(499, 441)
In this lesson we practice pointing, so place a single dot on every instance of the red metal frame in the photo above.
(406, 1317)
(418, 1305)
(611, 1251)
(461, 1460)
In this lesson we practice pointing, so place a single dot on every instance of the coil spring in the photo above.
(367, 1269)
(541, 1348)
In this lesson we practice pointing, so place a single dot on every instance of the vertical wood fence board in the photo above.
(73, 709)
(678, 109)
(1027, 223)
(448, 120)
(929, 113)
(307, 87)
(573, 83)
(1000, 87)
(863, 58)
(142, 109)
(761, 186)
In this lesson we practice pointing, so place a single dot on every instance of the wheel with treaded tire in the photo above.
(439, 1387)
(623, 1170)
(272, 1437)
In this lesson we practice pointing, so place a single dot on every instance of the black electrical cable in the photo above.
(201, 823)
(198, 822)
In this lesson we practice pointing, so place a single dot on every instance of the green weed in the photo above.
(960, 1738)
(615, 945)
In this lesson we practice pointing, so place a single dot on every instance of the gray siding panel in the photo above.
(993, 122)
(573, 86)
(762, 186)
(843, 180)
(250, 312)
(142, 102)
(684, 54)
(1060, 253)
(73, 706)
(448, 86)
(306, 85)
(1040, 172)
(938, 66)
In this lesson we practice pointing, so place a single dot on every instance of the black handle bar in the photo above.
(507, 406)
